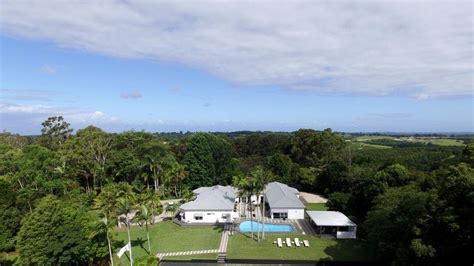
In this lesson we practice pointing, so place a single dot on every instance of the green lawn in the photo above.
(365, 138)
(445, 142)
(362, 146)
(242, 247)
(316, 207)
(167, 237)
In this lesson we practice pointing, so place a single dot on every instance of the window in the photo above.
(198, 216)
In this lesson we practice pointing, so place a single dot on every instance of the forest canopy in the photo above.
(415, 203)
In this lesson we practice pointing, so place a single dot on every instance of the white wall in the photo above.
(292, 213)
(296, 214)
(209, 216)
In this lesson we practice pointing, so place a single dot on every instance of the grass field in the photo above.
(316, 207)
(362, 146)
(366, 138)
(434, 141)
(444, 142)
(167, 237)
(242, 247)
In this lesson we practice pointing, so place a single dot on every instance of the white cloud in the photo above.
(36, 113)
(28, 94)
(131, 95)
(418, 48)
(48, 69)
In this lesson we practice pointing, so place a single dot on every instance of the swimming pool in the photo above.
(247, 227)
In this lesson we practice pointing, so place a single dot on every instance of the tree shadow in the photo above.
(139, 242)
(353, 252)
(218, 228)
(118, 244)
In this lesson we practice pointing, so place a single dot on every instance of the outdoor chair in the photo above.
(297, 242)
(306, 243)
(288, 242)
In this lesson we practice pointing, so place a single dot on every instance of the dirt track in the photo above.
(312, 198)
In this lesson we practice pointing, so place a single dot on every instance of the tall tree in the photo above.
(199, 162)
(55, 132)
(51, 236)
(310, 148)
(88, 152)
(397, 224)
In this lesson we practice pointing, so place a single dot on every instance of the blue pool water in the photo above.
(247, 227)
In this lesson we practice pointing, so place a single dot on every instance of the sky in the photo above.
(353, 66)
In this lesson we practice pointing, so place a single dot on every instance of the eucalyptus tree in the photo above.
(87, 154)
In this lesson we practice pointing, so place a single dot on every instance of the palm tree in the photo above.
(105, 225)
(125, 206)
(261, 177)
(255, 189)
(106, 201)
(245, 190)
(144, 216)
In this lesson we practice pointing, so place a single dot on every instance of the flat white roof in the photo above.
(329, 218)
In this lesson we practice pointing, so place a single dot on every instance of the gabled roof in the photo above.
(330, 218)
(281, 196)
(216, 198)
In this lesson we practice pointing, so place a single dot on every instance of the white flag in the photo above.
(127, 247)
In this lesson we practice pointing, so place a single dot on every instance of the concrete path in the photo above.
(186, 253)
(223, 246)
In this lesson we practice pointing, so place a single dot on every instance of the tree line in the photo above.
(413, 204)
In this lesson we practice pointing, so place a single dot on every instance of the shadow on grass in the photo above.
(139, 242)
(355, 252)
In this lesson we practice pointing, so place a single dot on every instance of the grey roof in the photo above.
(281, 196)
(216, 198)
(329, 218)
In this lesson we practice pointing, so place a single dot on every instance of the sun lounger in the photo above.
(288, 242)
(306, 243)
(297, 242)
(279, 243)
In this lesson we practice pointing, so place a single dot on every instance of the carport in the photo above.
(332, 223)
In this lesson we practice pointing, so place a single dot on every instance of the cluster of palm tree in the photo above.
(253, 186)
(117, 202)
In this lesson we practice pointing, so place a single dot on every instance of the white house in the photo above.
(212, 205)
(283, 201)
(333, 223)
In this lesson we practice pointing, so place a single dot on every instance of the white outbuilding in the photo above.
(333, 223)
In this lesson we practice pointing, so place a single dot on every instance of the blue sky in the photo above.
(189, 72)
